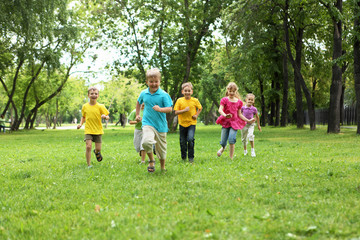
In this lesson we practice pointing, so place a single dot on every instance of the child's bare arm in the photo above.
(163, 110)
(221, 111)
(258, 121)
(81, 122)
(244, 118)
(177, 112)
(197, 113)
(138, 106)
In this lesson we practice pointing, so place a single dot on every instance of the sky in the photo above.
(94, 70)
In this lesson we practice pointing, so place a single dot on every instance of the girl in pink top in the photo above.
(231, 118)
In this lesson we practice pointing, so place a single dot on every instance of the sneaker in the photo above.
(191, 160)
(245, 152)
(253, 152)
(90, 166)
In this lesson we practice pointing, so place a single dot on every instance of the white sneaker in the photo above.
(253, 152)
(245, 152)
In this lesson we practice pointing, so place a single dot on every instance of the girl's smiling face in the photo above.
(231, 92)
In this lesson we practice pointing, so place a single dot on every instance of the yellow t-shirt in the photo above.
(185, 119)
(92, 115)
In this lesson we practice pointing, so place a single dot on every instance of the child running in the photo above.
(138, 132)
(188, 109)
(231, 118)
(92, 113)
(247, 133)
(154, 124)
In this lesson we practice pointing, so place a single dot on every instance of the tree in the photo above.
(36, 48)
(357, 60)
(335, 11)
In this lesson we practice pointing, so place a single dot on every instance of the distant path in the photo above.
(57, 128)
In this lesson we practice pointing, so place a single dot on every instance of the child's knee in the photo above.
(232, 140)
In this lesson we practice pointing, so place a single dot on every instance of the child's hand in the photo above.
(229, 115)
(252, 120)
(138, 118)
(194, 117)
(186, 109)
(78, 126)
(104, 116)
(259, 127)
(156, 108)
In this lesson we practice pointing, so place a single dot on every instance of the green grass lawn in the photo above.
(302, 184)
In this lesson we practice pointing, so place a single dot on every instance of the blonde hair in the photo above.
(250, 94)
(233, 85)
(92, 88)
(153, 73)
(187, 84)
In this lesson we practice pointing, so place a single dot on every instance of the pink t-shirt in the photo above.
(235, 121)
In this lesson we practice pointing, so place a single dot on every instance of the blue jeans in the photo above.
(228, 134)
(187, 141)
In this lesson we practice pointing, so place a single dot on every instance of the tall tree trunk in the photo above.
(272, 104)
(297, 68)
(56, 113)
(357, 62)
(284, 108)
(11, 95)
(263, 116)
(336, 82)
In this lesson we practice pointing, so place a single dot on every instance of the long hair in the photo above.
(233, 86)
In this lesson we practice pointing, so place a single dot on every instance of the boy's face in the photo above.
(153, 83)
(250, 100)
(187, 92)
(93, 94)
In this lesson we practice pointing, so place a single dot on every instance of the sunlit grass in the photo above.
(302, 184)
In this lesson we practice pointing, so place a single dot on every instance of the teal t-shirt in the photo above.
(152, 117)
(132, 117)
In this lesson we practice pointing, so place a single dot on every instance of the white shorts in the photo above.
(137, 140)
(247, 133)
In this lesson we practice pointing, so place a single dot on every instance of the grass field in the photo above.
(302, 185)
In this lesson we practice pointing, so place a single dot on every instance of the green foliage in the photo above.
(298, 186)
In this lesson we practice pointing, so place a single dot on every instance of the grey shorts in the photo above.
(92, 137)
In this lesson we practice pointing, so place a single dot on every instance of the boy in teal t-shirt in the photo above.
(154, 124)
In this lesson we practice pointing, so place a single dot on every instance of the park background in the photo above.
(300, 58)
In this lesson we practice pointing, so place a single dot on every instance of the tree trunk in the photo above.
(357, 62)
(296, 66)
(336, 83)
(284, 108)
(263, 115)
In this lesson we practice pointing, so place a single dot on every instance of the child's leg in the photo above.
(88, 152)
(183, 141)
(161, 147)
(232, 141)
(147, 143)
(223, 141)
(143, 155)
(97, 147)
(244, 135)
(232, 150)
(191, 142)
(251, 135)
